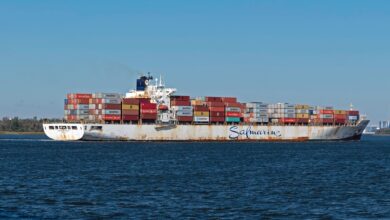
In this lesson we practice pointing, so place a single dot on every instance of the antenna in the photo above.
(160, 81)
(351, 106)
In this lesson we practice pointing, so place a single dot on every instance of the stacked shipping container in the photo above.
(217, 109)
(201, 114)
(76, 107)
(256, 112)
(110, 107)
(130, 109)
(182, 109)
(302, 114)
(106, 106)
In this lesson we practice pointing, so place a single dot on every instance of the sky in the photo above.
(316, 52)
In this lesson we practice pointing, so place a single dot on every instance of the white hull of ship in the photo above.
(133, 132)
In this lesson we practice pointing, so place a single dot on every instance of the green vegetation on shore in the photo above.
(25, 126)
(383, 131)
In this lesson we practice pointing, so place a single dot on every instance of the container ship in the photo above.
(153, 112)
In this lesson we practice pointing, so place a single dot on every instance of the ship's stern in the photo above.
(64, 131)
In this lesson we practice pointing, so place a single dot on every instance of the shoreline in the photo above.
(21, 133)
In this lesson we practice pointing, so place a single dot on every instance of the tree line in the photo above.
(23, 125)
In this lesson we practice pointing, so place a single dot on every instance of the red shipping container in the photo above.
(130, 117)
(201, 108)
(111, 106)
(233, 114)
(213, 99)
(79, 96)
(216, 104)
(148, 111)
(217, 109)
(340, 116)
(180, 103)
(149, 106)
(111, 117)
(78, 101)
(326, 112)
(185, 118)
(236, 104)
(217, 119)
(229, 99)
(180, 98)
(149, 116)
(288, 120)
(217, 114)
(353, 113)
(130, 112)
(83, 101)
(144, 100)
(130, 101)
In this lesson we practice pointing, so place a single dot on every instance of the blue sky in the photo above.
(321, 53)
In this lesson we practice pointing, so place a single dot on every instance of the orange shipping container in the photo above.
(326, 112)
(217, 109)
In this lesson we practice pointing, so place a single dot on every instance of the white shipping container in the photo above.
(260, 115)
(289, 115)
(81, 107)
(260, 110)
(183, 108)
(277, 115)
(84, 107)
(111, 101)
(302, 111)
(201, 119)
(352, 118)
(256, 105)
(92, 106)
(233, 109)
(290, 111)
(106, 95)
(259, 120)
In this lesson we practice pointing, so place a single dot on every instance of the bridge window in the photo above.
(74, 127)
(56, 127)
(51, 127)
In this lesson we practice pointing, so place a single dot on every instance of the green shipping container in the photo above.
(232, 119)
